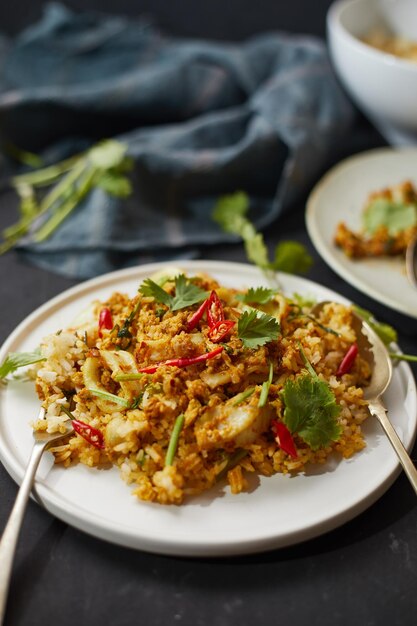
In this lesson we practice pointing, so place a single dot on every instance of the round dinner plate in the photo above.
(340, 197)
(278, 511)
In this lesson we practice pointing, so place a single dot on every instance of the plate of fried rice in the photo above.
(334, 219)
(211, 413)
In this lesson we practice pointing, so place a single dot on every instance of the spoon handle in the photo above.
(377, 409)
(11, 532)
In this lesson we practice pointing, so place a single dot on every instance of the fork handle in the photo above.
(11, 532)
(377, 409)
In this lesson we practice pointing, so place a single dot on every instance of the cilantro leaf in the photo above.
(292, 257)
(186, 293)
(230, 210)
(115, 184)
(258, 295)
(256, 329)
(311, 410)
(385, 332)
(151, 289)
(14, 360)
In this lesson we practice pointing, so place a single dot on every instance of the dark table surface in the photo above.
(361, 573)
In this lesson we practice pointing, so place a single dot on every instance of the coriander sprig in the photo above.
(15, 360)
(256, 329)
(104, 165)
(186, 293)
(230, 212)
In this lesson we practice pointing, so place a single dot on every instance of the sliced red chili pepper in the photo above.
(215, 312)
(348, 360)
(90, 434)
(196, 317)
(283, 438)
(104, 320)
(220, 330)
(182, 362)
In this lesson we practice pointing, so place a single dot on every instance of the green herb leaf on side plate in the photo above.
(395, 216)
(256, 329)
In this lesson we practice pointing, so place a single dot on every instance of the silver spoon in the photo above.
(10, 535)
(372, 349)
(411, 262)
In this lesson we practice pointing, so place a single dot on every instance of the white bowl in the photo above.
(382, 85)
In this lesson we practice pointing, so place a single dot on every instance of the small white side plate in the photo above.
(340, 197)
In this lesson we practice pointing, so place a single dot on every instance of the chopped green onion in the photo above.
(242, 396)
(233, 460)
(266, 386)
(109, 396)
(173, 442)
(123, 377)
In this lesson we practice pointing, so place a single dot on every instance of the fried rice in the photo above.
(224, 432)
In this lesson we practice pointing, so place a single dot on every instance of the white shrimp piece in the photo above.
(227, 423)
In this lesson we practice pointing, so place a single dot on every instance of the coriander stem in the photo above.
(306, 362)
(403, 357)
(65, 209)
(127, 377)
(46, 175)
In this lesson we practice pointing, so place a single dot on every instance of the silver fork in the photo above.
(11, 532)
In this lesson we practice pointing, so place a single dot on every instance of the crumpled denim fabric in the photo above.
(201, 119)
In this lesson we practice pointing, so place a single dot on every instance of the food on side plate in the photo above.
(189, 381)
(402, 47)
(389, 224)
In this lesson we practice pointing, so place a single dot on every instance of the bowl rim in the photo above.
(335, 25)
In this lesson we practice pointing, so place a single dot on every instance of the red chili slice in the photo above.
(104, 320)
(283, 438)
(182, 362)
(220, 330)
(90, 434)
(196, 317)
(348, 360)
(215, 312)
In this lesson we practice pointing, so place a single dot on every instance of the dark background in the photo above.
(362, 573)
(216, 19)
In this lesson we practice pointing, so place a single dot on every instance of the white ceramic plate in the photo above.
(279, 511)
(340, 196)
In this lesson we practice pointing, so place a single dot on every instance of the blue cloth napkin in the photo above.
(201, 119)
